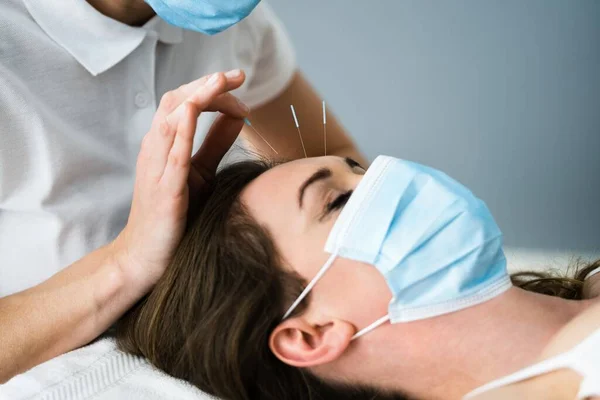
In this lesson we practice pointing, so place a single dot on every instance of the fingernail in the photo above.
(234, 73)
(243, 106)
(213, 80)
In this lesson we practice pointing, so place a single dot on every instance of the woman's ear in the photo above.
(299, 344)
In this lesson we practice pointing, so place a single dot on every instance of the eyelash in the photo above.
(338, 202)
(353, 163)
(343, 198)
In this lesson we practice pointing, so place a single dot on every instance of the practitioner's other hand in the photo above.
(167, 176)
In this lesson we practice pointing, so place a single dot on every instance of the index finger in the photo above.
(173, 99)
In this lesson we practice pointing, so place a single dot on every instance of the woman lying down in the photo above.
(316, 279)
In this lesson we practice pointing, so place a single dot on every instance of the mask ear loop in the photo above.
(312, 284)
(371, 327)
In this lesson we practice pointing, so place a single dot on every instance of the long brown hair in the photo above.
(209, 317)
(559, 283)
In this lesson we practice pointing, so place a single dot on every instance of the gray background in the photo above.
(502, 95)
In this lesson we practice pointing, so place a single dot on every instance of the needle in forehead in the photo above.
(247, 122)
(324, 129)
(298, 128)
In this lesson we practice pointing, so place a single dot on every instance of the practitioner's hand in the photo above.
(165, 167)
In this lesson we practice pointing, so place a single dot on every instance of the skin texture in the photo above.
(442, 357)
(562, 384)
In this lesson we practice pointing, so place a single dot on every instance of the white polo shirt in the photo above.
(78, 91)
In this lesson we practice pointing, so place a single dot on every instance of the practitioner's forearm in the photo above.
(65, 312)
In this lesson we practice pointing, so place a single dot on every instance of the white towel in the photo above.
(100, 371)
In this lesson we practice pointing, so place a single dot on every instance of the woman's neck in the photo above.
(469, 348)
(510, 334)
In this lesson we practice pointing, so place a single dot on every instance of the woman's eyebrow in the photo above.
(321, 174)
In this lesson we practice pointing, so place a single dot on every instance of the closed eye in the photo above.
(351, 163)
(339, 202)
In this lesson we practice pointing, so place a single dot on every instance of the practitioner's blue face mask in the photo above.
(206, 16)
(436, 244)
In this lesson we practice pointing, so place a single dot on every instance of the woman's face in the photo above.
(298, 203)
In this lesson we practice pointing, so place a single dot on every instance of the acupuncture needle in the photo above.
(247, 122)
(324, 128)
(298, 128)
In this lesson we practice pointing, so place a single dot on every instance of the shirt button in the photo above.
(141, 100)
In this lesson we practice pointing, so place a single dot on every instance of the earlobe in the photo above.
(299, 344)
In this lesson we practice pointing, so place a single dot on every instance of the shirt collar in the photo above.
(167, 33)
(96, 41)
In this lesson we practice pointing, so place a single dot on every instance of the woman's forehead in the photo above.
(277, 184)
(273, 195)
(277, 189)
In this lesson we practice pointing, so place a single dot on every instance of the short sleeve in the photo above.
(275, 59)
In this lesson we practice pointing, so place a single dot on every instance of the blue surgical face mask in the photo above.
(436, 244)
(206, 16)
